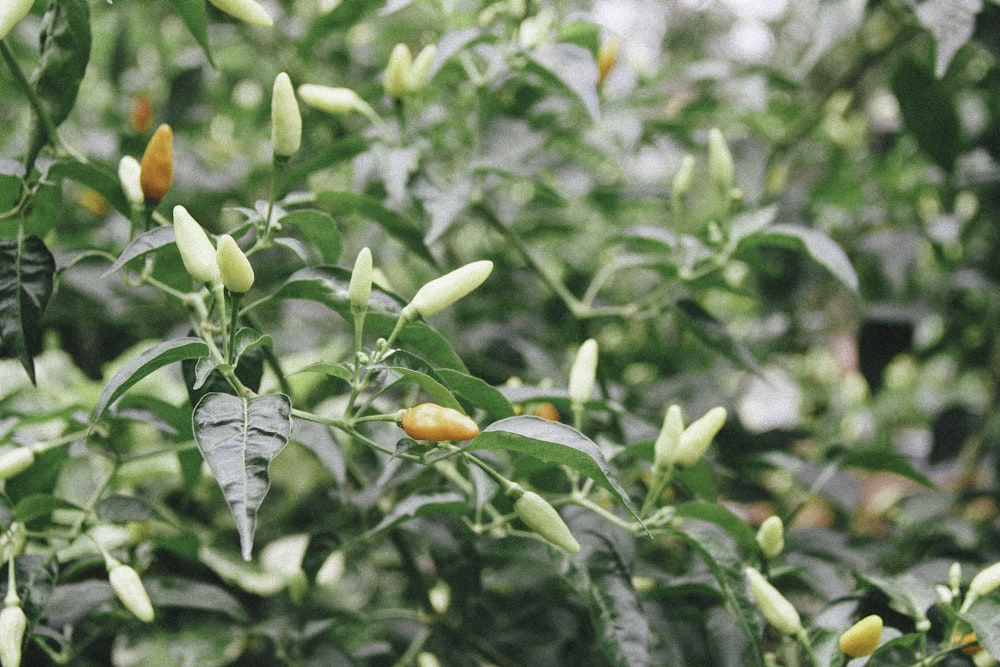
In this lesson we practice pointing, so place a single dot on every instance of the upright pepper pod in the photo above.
(197, 251)
(985, 582)
(360, 289)
(245, 10)
(541, 517)
(286, 119)
(421, 68)
(583, 372)
(11, 13)
(669, 439)
(720, 162)
(771, 536)
(773, 606)
(441, 292)
(397, 72)
(130, 177)
(127, 585)
(234, 267)
(698, 436)
(156, 173)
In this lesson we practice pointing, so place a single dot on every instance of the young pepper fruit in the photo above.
(13, 623)
(11, 13)
(434, 423)
(541, 517)
(127, 585)
(863, 637)
(156, 173)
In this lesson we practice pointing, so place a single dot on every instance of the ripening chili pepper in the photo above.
(433, 422)
(142, 113)
(607, 56)
(234, 267)
(541, 517)
(547, 411)
(127, 585)
(286, 120)
(245, 10)
(773, 606)
(441, 292)
(11, 13)
(863, 637)
(157, 165)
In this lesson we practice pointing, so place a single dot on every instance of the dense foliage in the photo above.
(450, 332)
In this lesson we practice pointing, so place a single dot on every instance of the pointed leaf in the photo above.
(342, 202)
(574, 68)
(152, 359)
(25, 287)
(820, 247)
(952, 23)
(556, 443)
(714, 334)
(319, 228)
(196, 19)
(928, 110)
(421, 505)
(98, 178)
(478, 392)
(883, 459)
(238, 438)
(144, 243)
(983, 617)
(736, 527)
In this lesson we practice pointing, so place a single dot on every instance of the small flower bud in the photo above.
(771, 536)
(720, 162)
(541, 517)
(234, 267)
(669, 439)
(583, 372)
(360, 289)
(863, 637)
(773, 606)
(15, 461)
(397, 72)
(196, 249)
(698, 436)
(286, 120)
(13, 623)
(245, 10)
(127, 585)
(129, 175)
(421, 68)
(441, 292)
(156, 173)
(11, 13)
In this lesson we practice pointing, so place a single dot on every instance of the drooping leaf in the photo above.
(573, 67)
(477, 391)
(196, 19)
(952, 23)
(928, 110)
(342, 202)
(452, 43)
(25, 287)
(65, 51)
(882, 459)
(144, 243)
(320, 229)
(556, 443)
(821, 248)
(447, 502)
(97, 177)
(715, 335)
(152, 359)
(238, 438)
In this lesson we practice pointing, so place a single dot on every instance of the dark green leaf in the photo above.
(195, 18)
(556, 443)
(478, 392)
(39, 505)
(188, 594)
(65, 51)
(574, 68)
(152, 359)
(121, 509)
(97, 177)
(342, 202)
(736, 527)
(25, 287)
(144, 243)
(238, 438)
(714, 334)
(904, 651)
(820, 247)
(421, 505)
(337, 369)
(928, 111)
(320, 229)
(880, 459)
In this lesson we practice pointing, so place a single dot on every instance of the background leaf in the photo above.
(25, 287)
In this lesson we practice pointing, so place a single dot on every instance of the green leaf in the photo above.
(196, 19)
(714, 334)
(556, 443)
(928, 111)
(26, 273)
(907, 591)
(144, 243)
(982, 616)
(820, 247)
(904, 651)
(65, 51)
(342, 202)
(338, 369)
(344, 148)
(429, 504)
(238, 438)
(121, 509)
(882, 459)
(39, 505)
(952, 23)
(727, 567)
(320, 229)
(478, 392)
(572, 67)
(411, 369)
(188, 594)
(97, 177)
(152, 359)
(714, 513)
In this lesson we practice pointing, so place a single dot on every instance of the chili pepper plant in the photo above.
(471, 332)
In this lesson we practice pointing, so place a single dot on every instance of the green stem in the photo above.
(277, 169)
